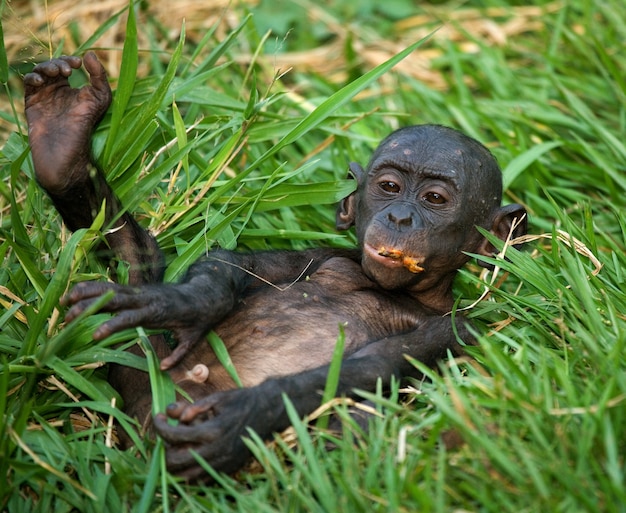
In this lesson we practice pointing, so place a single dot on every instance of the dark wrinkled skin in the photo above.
(422, 195)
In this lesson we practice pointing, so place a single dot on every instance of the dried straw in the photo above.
(33, 30)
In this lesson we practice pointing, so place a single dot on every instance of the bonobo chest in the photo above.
(294, 326)
(311, 310)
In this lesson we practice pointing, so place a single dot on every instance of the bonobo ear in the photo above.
(356, 171)
(346, 211)
(504, 220)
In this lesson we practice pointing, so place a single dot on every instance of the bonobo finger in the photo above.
(194, 473)
(186, 412)
(176, 355)
(50, 72)
(78, 308)
(33, 79)
(64, 64)
(72, 61)
(185, 434)
(88, 290)
(122, 321)
(182, 461)
(48, 68)
(55, 67)
(191, 412)
(174, 410)
(97, 73)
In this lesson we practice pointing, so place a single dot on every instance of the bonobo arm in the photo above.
(208, 292)
(214, 426)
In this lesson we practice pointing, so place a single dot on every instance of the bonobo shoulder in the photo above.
(343, 273)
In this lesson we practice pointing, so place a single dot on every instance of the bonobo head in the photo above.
(417, 205)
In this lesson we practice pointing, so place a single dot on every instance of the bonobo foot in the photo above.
(213, 428)
(61, 119)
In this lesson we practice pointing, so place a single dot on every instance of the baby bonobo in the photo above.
(415, 211)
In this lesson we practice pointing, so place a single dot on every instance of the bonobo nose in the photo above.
(402, 216)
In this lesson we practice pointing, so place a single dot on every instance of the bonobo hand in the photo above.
(168, 306)
(61, 119)
(214, 426)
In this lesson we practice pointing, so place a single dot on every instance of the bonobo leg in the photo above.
(61, 121)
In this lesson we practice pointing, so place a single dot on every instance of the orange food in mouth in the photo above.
(410, 263)
(394, 254)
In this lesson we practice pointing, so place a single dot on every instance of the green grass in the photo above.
(208, 151)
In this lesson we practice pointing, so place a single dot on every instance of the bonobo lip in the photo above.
(393, 258)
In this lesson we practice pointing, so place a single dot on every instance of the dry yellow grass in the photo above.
(34, 29)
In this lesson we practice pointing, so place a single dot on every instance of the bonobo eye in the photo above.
(434, 198)
(389, 186)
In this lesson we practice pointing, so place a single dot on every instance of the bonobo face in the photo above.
(417, 205)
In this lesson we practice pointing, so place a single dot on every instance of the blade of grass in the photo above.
(76, 379)
(517, 165)
(220, 350)
(181, 137)
(4, 62)
(163, 393)
(156, 469)
(126, 82)
(221, 47)
(99, 32)
(138, 121)
(334, 370)
(161, 383)
(336, 100)
(310, 466)
(66, 336)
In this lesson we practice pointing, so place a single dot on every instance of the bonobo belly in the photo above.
(278, 331)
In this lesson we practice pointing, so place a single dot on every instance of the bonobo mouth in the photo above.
(393, 258)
